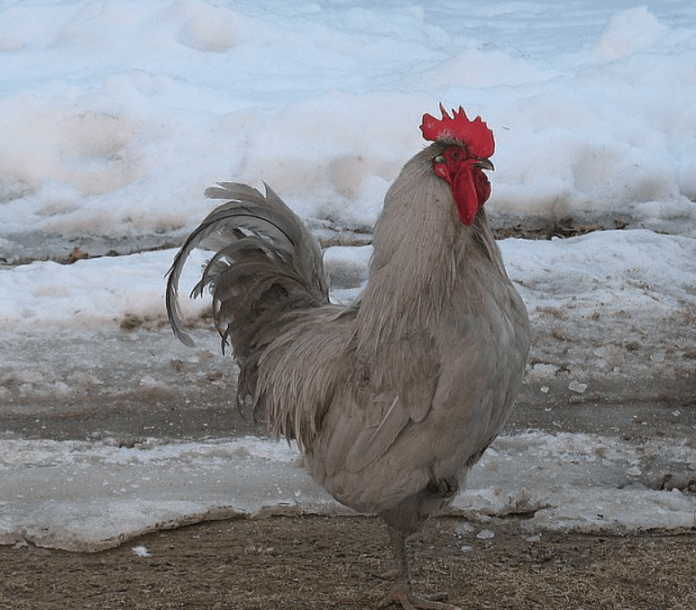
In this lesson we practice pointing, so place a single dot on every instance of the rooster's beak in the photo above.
(485, 164)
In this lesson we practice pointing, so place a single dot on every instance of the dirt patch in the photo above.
(336, 562)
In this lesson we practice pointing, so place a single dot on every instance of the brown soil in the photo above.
(335, 562)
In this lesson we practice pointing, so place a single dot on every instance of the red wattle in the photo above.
(465, 196)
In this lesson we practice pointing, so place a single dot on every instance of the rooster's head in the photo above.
(466, 148)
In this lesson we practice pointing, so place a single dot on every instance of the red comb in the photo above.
(474, 133)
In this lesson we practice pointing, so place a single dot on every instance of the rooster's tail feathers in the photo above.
(266, 262)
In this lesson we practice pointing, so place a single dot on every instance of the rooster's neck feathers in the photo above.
(422, 251)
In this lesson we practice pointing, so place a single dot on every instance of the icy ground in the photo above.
(80, 495)
(118, 429)
(115, 116)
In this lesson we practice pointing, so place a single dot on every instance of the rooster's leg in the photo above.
(402, 591)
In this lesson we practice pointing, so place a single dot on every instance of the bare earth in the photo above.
(336, 562)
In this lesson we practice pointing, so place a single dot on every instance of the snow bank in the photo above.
(115, 116)
(607, 309)
(585, 482)
(88, 496)
(85, 496)
(608, 304)
(91, 292)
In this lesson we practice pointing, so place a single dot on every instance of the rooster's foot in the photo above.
(402, 591)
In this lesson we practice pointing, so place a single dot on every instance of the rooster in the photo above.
(392, 398)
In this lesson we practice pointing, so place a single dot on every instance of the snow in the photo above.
(117, 115)
(596, 294)
(94, 495)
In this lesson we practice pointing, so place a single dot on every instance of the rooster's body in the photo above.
(393, 398)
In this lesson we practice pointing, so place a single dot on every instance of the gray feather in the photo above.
(258, 241)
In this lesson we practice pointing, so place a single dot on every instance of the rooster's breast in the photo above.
(432, 419)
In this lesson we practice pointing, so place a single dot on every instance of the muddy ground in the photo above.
(336, 562)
